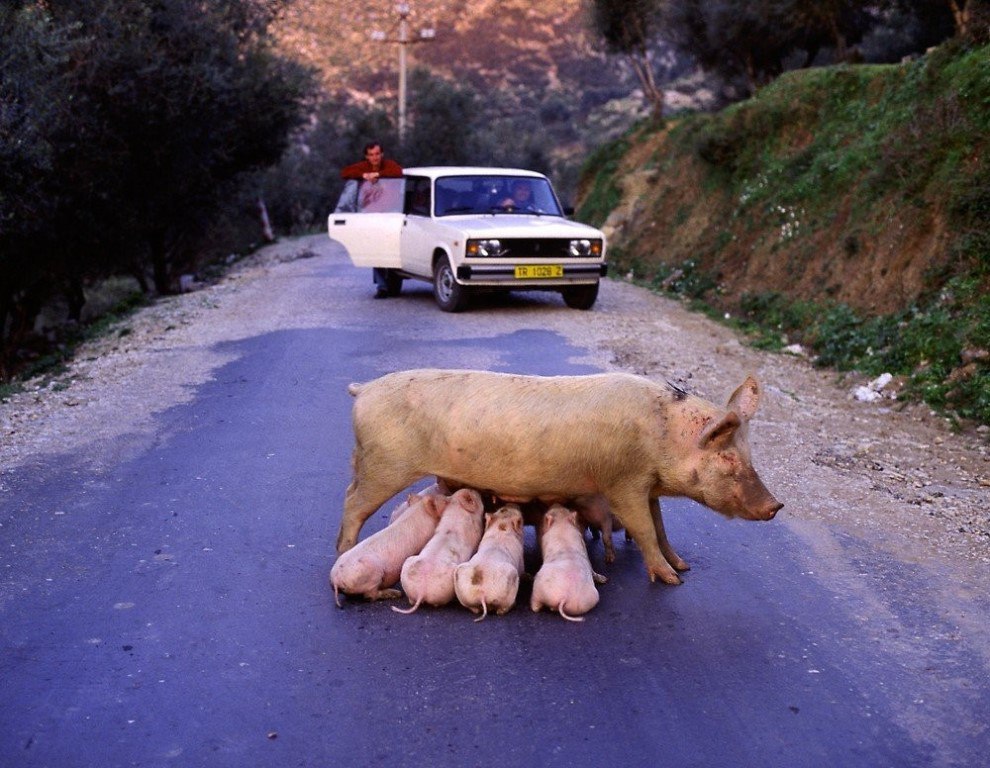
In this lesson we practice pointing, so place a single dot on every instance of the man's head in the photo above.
(521, 191)
(373, 153)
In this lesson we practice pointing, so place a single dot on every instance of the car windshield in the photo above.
(458, 195)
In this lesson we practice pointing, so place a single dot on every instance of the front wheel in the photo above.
(450, 295)
(580, 296)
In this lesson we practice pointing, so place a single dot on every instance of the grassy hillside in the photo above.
(845, 208)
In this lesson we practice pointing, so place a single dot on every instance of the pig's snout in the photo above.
(772, 510)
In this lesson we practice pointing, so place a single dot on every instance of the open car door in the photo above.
(368, 221)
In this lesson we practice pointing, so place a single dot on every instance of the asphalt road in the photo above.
(174, 610)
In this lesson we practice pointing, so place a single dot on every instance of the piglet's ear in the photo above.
(517, 524)
(473, 501)
(719, 434)
(435, 504)
(488, 519)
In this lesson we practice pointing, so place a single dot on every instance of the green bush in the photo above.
(598, 175)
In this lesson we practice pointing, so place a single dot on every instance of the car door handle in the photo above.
(339, 222)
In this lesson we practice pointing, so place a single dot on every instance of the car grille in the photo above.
(536, 248)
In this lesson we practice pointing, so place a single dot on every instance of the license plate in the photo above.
(524, 271)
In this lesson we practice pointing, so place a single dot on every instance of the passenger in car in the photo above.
(374, 166)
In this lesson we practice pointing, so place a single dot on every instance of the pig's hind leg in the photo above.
(369, 489)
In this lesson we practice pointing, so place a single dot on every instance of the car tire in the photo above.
(450, 295)
(393, 282)
(580, 296)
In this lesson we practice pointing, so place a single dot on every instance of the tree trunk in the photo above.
(75, 297)
(653, 95)
(159, 264)
(960, 14)
(266, 224)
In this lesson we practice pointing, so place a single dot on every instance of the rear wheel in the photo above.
(580, 296)
(450, 295)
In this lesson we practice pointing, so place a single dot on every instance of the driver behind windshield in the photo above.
(522, 197)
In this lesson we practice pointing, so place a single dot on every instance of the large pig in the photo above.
(429, 576)
(490, 579)
(565, 582)
(375, 564)
(560, 437)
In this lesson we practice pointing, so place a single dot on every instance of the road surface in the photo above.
(171, 607)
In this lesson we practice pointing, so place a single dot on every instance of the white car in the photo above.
(464, 229)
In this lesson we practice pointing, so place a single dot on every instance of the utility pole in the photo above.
(403, 40)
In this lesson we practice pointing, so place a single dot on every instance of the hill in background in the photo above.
(845, 207)
(522, 57)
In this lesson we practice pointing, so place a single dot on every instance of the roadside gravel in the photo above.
(885, 471)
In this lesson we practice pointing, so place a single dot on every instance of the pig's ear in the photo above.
(488, 519)
(746, 398)
(719, 434)
(517, 523)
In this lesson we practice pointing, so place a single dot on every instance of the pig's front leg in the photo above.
(679, 563)
(633, 511)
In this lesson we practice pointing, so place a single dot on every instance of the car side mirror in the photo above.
(568, 210)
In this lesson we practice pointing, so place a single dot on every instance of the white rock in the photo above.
(866, 394)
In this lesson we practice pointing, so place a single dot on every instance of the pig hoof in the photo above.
(599, 578)
(667, 576)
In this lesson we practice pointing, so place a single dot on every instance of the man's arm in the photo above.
(355, 171)
(390, 170)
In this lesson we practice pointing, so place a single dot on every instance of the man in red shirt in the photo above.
(374, 166)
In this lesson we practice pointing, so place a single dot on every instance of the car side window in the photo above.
(382, 196)
(417, 196)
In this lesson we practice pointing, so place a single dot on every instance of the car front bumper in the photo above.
(505, 274)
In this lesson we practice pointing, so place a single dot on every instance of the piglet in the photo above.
(375, 564)
(436, 489)
(491, 577)
(429, 576)
(595, 513)
(565, 582)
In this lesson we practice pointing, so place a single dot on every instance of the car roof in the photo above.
(435, 171)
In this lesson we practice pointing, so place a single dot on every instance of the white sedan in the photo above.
(466, 229)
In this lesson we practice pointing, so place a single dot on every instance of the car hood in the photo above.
(511, 225)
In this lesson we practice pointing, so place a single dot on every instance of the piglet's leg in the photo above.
(633, 512)
(669, 554)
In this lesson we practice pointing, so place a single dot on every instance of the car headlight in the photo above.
(484, 248)
(579, 248)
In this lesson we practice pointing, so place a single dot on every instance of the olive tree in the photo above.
(631, 28)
